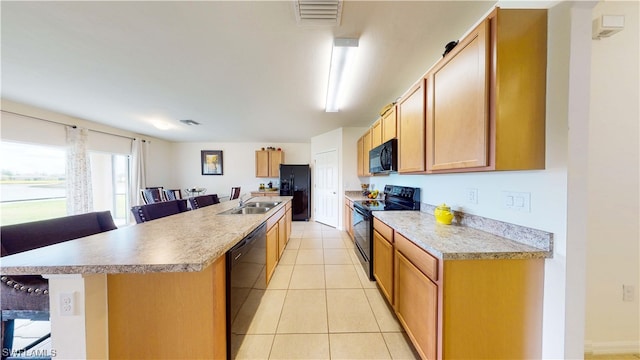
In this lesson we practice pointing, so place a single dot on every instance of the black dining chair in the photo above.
(235, 193)
(152, 195)
(203, 200)
(27, 296)
(148, 212)
(173, 194)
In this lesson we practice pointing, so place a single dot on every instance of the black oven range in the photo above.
(395, 198)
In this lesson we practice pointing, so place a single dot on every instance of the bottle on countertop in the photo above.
(270, 185)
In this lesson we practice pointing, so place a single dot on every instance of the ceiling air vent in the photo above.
(318, 12)
(189, 122)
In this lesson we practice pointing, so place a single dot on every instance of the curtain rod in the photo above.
(74, 126)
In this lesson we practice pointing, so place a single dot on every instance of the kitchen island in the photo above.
(152, 290)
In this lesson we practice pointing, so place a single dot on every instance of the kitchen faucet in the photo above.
(242, 201)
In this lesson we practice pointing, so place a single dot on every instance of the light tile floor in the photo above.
(612, 357)
(320, 305)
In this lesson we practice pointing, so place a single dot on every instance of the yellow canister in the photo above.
(443, 214)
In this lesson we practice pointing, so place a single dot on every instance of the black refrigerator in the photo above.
(295, 180)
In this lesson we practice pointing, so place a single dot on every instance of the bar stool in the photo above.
(235, 193)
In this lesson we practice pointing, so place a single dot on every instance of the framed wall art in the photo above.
(211, 162)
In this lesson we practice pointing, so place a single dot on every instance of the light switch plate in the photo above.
(472, 196)
(517, 201)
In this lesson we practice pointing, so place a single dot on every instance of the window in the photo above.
(33, 185)
(110, 183)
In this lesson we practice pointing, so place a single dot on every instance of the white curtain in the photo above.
(138, 171)
(78, 171)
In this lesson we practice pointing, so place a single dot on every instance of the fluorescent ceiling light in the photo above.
(341, 57)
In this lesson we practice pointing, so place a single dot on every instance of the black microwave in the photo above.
(383, 159)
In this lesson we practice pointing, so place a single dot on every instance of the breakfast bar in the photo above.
(153, 290)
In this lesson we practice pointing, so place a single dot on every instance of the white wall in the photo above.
(238, 164)
(613, 226)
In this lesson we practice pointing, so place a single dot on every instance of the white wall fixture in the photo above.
(518, 201)
(341, 58)
(607, 25)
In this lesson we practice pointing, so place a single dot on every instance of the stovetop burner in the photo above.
(396, 198)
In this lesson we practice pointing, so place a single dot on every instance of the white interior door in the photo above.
(326, 188)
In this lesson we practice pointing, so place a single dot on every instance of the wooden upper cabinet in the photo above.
(376, 133)
(519, 85)
(389, 125)
(360, 150)
(364, 145)
(458, 116)
(268, 163)
(411, 131)
(486, 98)
(275, 159)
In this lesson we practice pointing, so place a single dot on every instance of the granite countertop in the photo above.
(355, 195)
(189, 241)
(456, 242)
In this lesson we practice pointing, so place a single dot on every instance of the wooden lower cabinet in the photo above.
(348, 217)
(168, 315)
(468, 309)
(272, 251)
(288, 218)
(383, 265)
(277, 236)
(492, 309)
(416, 304)
(282, 235)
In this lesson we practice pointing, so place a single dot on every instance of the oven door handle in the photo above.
(361, 212)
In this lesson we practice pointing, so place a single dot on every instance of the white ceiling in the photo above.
(243, 69)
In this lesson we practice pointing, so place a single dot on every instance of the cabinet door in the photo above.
(272, 250)
(282, 235)
(366, 146)
(389, 125)
(360, 146)
(275, 159)
(287, 217)
(458, 115)
(376, 133)
(262, 163)
(416, 304)
(411, 126)
(383, 265)
(347, 218)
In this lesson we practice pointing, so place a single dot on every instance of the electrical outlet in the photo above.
(628, 293)
(67, 304)
(472, 196)
(517, 201)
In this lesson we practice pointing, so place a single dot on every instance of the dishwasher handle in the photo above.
(240, 249)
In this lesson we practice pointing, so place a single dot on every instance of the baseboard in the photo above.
(612, 347)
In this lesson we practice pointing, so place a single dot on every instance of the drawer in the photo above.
(421, 259)
(273, 220)
(383, 229)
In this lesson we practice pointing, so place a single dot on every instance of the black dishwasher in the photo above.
(245, 263)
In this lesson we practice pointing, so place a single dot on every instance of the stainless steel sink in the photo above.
(261, 204)
(246, 210)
